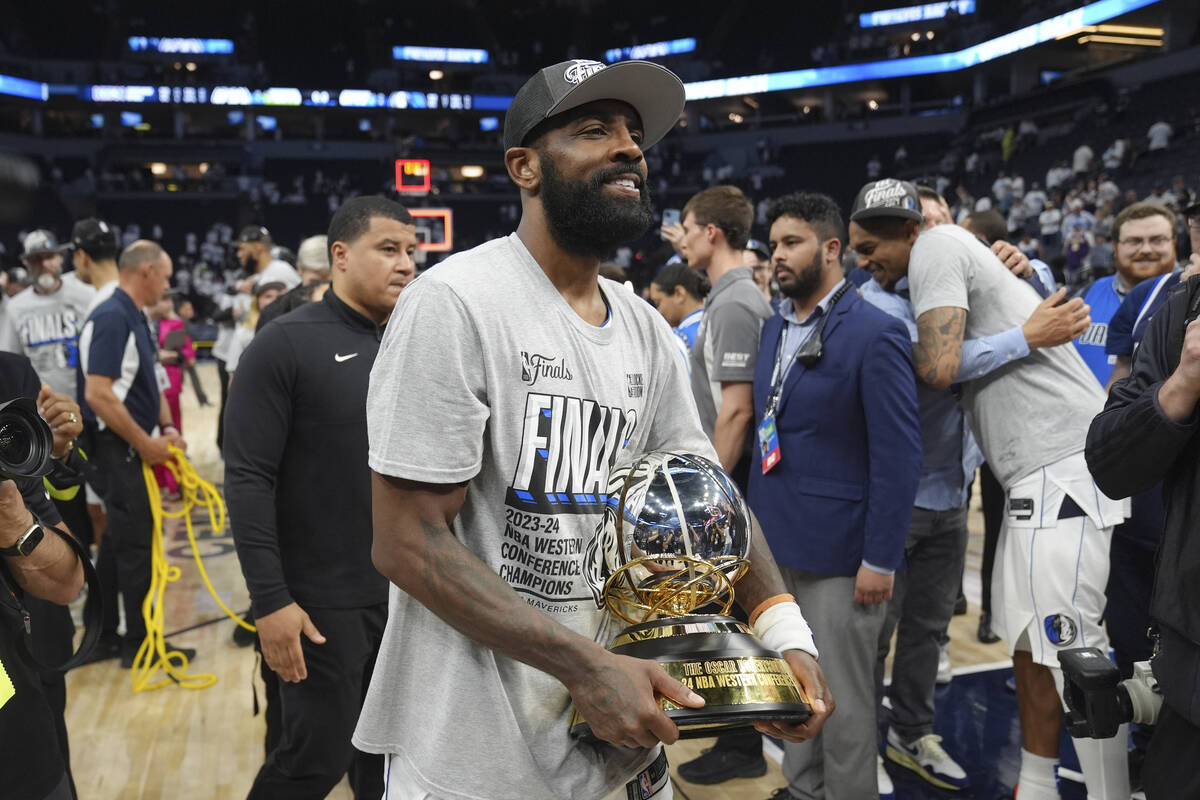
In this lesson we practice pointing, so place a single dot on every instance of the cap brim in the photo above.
(62, 248)
(888, 211)
(654, 92)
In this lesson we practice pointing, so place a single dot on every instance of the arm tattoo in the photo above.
(937, 355)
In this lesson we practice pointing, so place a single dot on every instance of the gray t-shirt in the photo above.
(1028, 414)
(487, 375)
(726, 345)
(47, 326)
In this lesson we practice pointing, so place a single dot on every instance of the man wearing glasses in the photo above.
(1144, 234)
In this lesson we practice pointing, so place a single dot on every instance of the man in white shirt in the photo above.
(1114, 155)
(1159, 136)
(1035, 199)
(1082, 162)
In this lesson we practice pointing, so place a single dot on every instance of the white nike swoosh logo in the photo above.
(340, 358)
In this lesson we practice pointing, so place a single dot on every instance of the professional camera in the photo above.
(26, 443)
(1098, 701)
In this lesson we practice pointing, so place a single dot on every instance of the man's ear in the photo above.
(337, 255)
(833, 249)
(524, 167)
(911, 231)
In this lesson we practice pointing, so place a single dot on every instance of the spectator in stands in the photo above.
(1158, 138)
(1050, 221)
(1002, 191)
(900, 159)
(1158, 195)
(1179, 195)
(1077, 216)
(1081, 162)
(1076, 249)
(1114, 156)
(1107, 190)
(1035, 199)
(1058, 175)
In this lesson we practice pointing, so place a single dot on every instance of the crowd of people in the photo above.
(852, 369)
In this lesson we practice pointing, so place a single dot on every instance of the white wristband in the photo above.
(782, 627)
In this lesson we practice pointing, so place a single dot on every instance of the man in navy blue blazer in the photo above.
(835, 403)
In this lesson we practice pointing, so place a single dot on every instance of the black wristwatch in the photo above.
(27, 543)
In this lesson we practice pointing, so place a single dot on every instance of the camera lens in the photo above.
(25, 440)
(14, 442)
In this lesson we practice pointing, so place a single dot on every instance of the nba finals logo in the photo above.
(580, 71)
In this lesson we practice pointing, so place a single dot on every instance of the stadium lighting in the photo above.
(471, 171)
(436, 74)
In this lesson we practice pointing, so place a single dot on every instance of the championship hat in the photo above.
(887, 198)
(654, 92)
(41, 242)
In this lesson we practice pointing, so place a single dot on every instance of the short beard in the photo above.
(585, 222)
(807, 282)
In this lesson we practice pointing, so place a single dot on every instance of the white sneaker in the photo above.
(945, 671)
(886, 790)
(926, 757)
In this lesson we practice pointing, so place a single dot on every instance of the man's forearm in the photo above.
(764, 580)
(421, 556)
(52, 571)
(729, 435)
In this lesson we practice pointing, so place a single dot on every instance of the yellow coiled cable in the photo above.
(153, 656)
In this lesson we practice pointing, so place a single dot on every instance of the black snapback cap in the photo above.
(653, 90)
(254, 233)
(888, 197)
(93, 235)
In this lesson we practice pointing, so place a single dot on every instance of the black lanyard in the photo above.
(808, 353)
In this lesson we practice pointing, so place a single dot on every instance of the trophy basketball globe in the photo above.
(675, 537)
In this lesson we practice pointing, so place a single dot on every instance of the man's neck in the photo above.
(574, 276)
(348, 299)
(805, 306)
(130, 288)
(261, 263)
(104, 274)
(723, 261)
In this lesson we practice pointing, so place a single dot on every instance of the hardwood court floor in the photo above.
(206, 744)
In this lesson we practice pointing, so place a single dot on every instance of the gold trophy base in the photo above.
(717, 657)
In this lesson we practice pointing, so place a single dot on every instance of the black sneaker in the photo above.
(782, 794)
(960, 606)
(985, 633)
(717, 765)
(107, 646)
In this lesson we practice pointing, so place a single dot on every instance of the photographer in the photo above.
(39, 574)
(1145, 434)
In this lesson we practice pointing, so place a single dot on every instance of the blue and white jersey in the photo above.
(1104, 300)
(686, 330)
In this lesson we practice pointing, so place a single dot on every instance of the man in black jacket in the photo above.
(1147, 433)
(299, 495)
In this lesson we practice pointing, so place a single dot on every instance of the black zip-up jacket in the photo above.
(296, 476)
(1132, 445)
